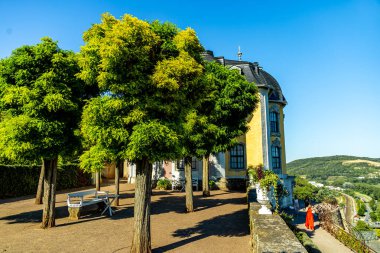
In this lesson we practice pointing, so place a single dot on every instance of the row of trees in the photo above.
(136, 90)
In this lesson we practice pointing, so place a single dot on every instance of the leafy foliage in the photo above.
(221, 115)
(326, 195)
(360, 207)
(304, 190)
(212, 185)
(256, 172)
(149, 75)
(307, 242)
(269, 179)
(40, 102)
(362, 226)
(350, 241)
(164, 184)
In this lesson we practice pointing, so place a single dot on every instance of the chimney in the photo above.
(257, 68)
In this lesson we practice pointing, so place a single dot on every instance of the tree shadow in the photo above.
(34, 216)
(88, 214)
(229, 225)
(177, 204)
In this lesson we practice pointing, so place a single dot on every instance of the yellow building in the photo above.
(264, 143)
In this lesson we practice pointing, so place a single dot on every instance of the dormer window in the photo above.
(274, 126)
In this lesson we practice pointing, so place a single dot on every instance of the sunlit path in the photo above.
(324, 241)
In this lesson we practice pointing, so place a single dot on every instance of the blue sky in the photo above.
(325, 55)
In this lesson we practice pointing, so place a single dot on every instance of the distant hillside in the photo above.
(337, 170)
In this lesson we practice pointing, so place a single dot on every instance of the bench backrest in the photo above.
(81, 194)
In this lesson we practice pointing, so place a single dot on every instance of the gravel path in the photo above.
(219, 224)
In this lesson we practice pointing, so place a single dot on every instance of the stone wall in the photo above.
(269, 233)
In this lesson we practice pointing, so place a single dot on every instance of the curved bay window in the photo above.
(276, 159)
(181, 164)
(273, 117)
(237, 157)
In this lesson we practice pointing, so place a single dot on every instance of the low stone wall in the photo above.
(269, 233)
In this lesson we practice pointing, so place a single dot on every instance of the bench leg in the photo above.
(74, 213)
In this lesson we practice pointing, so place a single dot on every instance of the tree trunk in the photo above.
(40, 188)
(118, 168)
(205, 177)
(141, 241)
(189, 185)
(97, 180)
(50, 179)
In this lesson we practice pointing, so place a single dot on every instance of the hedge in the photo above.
(21, 180)
(307, 242)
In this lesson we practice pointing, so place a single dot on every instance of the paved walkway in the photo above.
(219, 224)
(324, 240)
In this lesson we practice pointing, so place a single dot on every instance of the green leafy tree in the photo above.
(304, 190)
(362, 226)
(361, 207)
(326, 195)
(105, 136)
(231, 100)
(217, 121)
(40, 100)
(373, 216)
(149, 76)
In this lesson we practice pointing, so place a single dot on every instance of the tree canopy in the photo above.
(40, 102)
(149, 74)
(304, 190)
(223, 113)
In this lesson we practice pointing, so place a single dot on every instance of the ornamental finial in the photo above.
(239, 54)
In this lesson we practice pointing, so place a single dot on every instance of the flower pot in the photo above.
(263, 199)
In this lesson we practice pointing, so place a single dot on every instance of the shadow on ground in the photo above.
(178, 203)
(230, 225)
(167, 202)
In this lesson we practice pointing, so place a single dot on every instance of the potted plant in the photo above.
(255, 174)
(264, 180)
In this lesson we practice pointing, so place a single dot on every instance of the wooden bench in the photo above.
(76, 201)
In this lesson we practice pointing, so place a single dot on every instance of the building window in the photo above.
(237, 157)
(181, 164)
(273, 116)
(276, 159)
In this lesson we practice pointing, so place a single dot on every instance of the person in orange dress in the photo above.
(309, 223)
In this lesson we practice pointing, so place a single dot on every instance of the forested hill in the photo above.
(336, 170)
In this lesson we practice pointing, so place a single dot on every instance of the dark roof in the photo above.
(253, 73)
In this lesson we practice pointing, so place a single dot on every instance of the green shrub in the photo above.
(362, 226)
(21, 180)
(164, 184)
(212, 185)
(373, 216)
(307, 242)
(361, 207)
(377, 231)
(351, 242)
